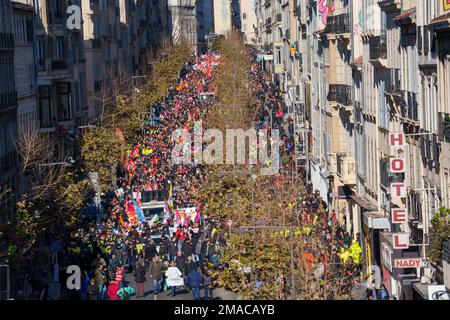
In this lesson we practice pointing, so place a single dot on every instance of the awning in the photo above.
(405, 15)
(363, 203)
(406, 18)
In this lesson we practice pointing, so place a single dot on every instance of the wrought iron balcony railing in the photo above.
(377, 46)
(444, 127)
(413, 107)
(340, 93)
(6, 40)
(8, 99)
(338, 24)
(392, 80)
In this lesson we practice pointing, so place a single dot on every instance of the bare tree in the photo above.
(36, 152)
(33, 147)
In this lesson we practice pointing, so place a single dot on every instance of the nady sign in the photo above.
(408, 263)
(397, 165)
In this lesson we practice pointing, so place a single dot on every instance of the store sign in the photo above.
(408, 263)
(437, 292)
(400, 240)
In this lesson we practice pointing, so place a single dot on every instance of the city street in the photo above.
(246, 150)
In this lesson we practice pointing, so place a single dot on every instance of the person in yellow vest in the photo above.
(355, 252)
(139, 247)
(344, 255)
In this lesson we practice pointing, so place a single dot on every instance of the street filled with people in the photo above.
(177, 248)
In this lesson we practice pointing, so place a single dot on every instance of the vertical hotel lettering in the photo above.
(399, 214)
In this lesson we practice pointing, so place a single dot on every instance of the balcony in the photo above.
(346, 169)
(386, 178)
(392, 80)
(444, 127)
(389, 3)
(340, 93)
(378, 50)
(8, 99)
(8, 161)
(59, 65)
(339, 25)
(410, 110)
(6, 40)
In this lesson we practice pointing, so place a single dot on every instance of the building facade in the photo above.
(367, 84)
(8, 110)
(183, 22)
(248, 20)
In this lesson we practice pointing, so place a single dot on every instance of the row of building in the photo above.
(60, 58)
(52, 75)
(368, 86)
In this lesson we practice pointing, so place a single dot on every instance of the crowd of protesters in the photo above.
(171, 251)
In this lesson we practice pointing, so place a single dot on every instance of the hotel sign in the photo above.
(397, 164)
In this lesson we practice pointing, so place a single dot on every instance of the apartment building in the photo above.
(440, 25)
(205, 22)
(8, 111)
(183, 21)
(222, 10)
(370, 79)
(248, 20)
(24, 63)
(60, 72)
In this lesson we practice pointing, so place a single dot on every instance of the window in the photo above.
(384, 115)
(77, 96)
(57, 11)
(45, 107)
(40, 53)
(244, 16)
(278, 55)
(63, 92)
(60, 50)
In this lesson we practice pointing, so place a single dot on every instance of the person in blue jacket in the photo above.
(194, 280)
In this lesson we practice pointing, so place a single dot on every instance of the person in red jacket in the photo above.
(120, 275)
(112, 291)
